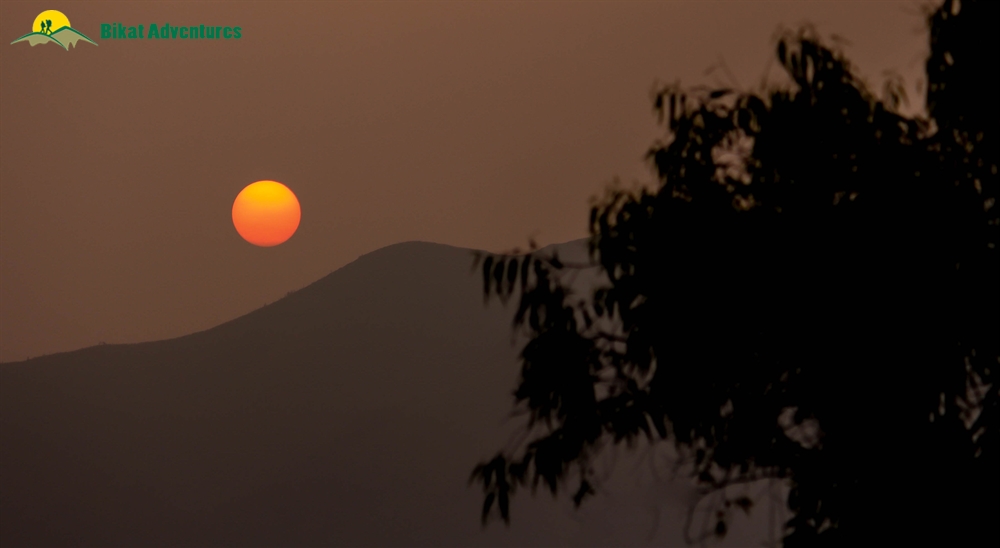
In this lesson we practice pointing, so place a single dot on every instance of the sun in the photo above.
(58, 21)
(266, 213)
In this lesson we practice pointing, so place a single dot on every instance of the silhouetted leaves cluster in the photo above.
(812, 254)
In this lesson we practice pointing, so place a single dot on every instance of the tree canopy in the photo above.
(811, 254)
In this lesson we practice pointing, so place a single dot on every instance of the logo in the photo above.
(52, 26)
(166, 31)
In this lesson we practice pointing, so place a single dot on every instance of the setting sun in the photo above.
(266, 213)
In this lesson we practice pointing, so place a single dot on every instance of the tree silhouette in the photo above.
(812, 257)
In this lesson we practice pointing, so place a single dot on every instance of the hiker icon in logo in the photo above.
(63, 35)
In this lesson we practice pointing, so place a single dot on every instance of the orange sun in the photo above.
(266, 213)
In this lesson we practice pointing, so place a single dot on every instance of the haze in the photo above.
(469, 124)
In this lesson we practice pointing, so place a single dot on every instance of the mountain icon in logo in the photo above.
(43, 33)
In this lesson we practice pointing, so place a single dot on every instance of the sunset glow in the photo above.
(266, 213)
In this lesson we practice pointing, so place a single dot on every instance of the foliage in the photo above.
(810, 253)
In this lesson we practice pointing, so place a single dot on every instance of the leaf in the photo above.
(504, 504)
(511, 275)
(487, 504)
(673, 110)
(661, 428)
(497, 468)
(477, 472)
(498, 277)
(487, 266)
(582, 492)
(527, 303)
(524, 271)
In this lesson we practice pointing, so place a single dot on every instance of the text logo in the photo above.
(51, 26)
(166, 31)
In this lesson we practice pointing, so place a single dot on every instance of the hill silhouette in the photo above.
(65, 37)
(347, 413)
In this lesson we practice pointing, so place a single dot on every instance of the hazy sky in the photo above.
(475, 124)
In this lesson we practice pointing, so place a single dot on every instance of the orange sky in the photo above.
(474, 124)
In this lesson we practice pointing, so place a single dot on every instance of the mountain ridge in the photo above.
(389, 251)
(351, 412)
